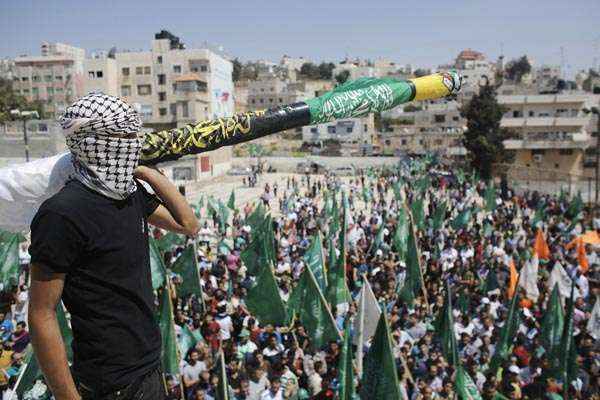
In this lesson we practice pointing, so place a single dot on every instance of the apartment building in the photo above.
(475, 69)
(7, 68)
(552, 131)
(160, 81)
(45, 138)
(55, 77)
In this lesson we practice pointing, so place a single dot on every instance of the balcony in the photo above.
(544, 122)
(548, 140)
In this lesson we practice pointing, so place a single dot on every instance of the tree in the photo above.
(342, 77)
(484, 137)
(236, 74)
(326, 70)
(309, 70)
(517, 69)
(587, 83)
(10, 100)
(421, 72)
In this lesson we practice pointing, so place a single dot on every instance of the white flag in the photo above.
(593, 325)
(559, 275)
(529, 277)
(366, 320)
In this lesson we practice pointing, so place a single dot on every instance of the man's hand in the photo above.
(176, 215)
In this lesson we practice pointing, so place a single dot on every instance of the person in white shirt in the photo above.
(192, 370)
(225, 323)
(274, 392)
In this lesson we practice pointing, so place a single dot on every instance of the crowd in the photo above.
(263, 361)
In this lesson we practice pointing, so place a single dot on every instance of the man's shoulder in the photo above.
(67, 199)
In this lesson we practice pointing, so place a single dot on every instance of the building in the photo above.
(552, 132)
(153, 81)
(100, 75)
(347, 131)
(56, 77)
(45, 139)
(7, 69)
(475, 69)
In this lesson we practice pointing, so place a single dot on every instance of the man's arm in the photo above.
(44, 295)
(176, 215)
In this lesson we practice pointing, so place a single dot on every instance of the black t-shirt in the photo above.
(102, 246)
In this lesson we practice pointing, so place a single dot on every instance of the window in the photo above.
(203, 68)
(182, 174)
(565, 152)
(538, 151)
(99, 74)
(147, 71)
(314, 130)
(139, 70)
(365, 128)
(25, 78)
(261, 101)
(58, 78)
(125, 71)
(50, 91)
(42, 127)
(144, 90)
(455, 119)
(146, 111)
(162, 112)
(388, 142)
(125, 91)
(531, 113)
(439, 118)
(59, 90)
(253, 101)
(47, 78)
(36, 78)
(162, 79)
(556, 165)
(403, 142)
(173, 108)
(438, 142)
(177, 69)
(185, 112)
(280, 100)
(162, 96)
(516, 114)
(159, 60)
(270, 100)
(331, 129)
(35, 91)
(349, 129)
(26, 91)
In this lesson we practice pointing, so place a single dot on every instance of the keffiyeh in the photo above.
(98, 131)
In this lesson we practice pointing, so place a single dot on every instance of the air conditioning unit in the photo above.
(537, 158)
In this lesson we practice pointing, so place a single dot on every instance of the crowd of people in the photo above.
(266, 362)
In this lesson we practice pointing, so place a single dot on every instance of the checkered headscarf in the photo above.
(95, 127)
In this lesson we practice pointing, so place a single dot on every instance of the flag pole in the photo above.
(414, 232)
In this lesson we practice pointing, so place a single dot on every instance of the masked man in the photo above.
(89, 247)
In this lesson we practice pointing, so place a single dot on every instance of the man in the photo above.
(274, 392)
(192, 370)
(89, 247)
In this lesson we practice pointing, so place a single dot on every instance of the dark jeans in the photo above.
(149, 387)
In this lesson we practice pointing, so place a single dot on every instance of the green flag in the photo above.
(186, 340)
(378, 241)
(462, 219)
(157, 266)
(222, 392)
(540, 214)
(552, 323)
(264, 301)
(261, 250)
(567, 354)
(575, 208)
(418, 214)
(169, 356)
(412, 281)
(465, 387)
(345, 367)
(444, 329)
(507, 334)
(490, 197)
(256, 217)
(314, 313)
(439, 215)
(186, 267)
(9, 261)
(397, 191)
(380, 377)
(423, 185)
(231, 201)
(337, 291)
(366, 194)
(314, 259)
(170, 240)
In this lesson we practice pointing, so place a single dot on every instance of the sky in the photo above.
(421, 33)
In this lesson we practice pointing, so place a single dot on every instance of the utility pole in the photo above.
(25, 116)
